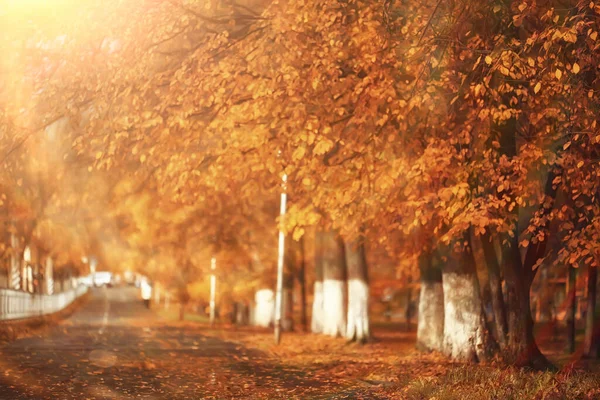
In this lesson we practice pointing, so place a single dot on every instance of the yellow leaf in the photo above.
(323, 146)
(525, 243)
(558, 74)
(98, 155)
(142, 158)
(500, 188)
(594, 35)
(298, 233)
(488, 60)
(575, 68)
(566, 145)
(580, 164)
(476, 63)
(537, 87)
(531, 62)
(570, 37)
(299, 153)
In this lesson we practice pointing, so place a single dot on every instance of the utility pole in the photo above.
(213, 287)
(280, 259)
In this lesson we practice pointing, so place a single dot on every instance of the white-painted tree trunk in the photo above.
(264, 310)
(464, 325)
(358, 292)
(334, 285)
(430, 328)
(358, 310)
(316, 325)
(334, 321)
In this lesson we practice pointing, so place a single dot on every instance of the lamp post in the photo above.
(280, 259)
(213, 286)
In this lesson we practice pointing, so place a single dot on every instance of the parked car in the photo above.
(98, 279)
(102, 278)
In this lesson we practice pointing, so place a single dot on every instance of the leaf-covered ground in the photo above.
(390, 367)
(114, 348)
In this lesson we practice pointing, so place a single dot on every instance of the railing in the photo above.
(19, 305)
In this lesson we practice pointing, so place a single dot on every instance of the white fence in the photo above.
(19, 305)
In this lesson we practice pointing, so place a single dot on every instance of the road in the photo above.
(114, 348)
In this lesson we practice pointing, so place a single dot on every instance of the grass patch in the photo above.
(486, 382)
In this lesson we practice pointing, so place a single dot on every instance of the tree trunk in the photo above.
(571, 307)
(234, 312)
(287, 322)
(358, 292)
(290, 270)
(184, 298)
(264, 309)
(181, 311)
(430, 328)
(521, 349)
(334, 282)
(302, 282)
(407, 309)
(591, 326)
(316, 324)
(241, 314)
(495, 281)
(465, 334)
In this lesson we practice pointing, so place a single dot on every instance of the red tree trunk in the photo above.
(592, 330)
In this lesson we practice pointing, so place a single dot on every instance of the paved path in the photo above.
(115, 348)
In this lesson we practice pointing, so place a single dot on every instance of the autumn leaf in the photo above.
(558, 73)
(322, 146)
(299, 153)
(537, 87)
(575, 68)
